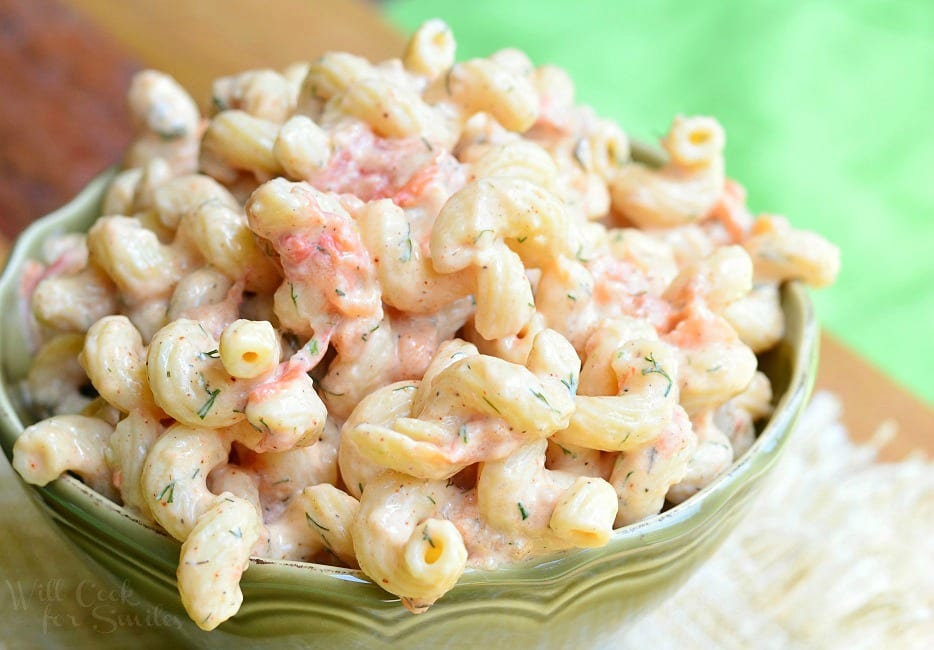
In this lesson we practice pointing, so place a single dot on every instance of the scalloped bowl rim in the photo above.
(541, 570)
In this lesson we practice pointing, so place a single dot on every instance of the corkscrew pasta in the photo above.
(414, 317)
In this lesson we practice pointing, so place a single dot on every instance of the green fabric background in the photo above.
(828, 108)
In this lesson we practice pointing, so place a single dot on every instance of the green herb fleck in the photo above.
(293, 295)
(463, 433)
(312, 346)
(567, 452)
(522, 239)
(282, 480)
(427, 144)
(480, 234)
(522, 511)
(312, 522)
(628, 474)
(218, 103)
(658, 370)
(210, 354)
(406, 387)
(339, 292)
(168, 490)
(236, 532)
(570, 383)
(173, 133)
(432, 500)
(571, 297)
(366, 335)
(541, 397)
(196, 472)
(206, 407)
(426, 537)
(407, 253)
(491, 404)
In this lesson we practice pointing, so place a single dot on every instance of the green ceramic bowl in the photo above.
(571, 600)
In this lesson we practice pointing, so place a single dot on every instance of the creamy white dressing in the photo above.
(368, 216)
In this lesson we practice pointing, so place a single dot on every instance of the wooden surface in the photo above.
(67, 63)
(198, 41)
(61, 117)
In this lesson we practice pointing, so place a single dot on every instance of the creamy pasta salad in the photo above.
(412, 317)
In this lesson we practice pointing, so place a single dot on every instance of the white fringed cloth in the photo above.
(836, 552)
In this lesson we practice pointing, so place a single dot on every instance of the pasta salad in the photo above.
(412, 317)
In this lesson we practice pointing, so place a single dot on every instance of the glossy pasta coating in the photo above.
(415, 316)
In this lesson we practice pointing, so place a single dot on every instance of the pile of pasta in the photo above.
(411, 317)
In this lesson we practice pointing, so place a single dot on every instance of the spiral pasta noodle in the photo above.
(416, 317)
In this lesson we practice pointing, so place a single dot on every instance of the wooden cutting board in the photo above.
(66, 65)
